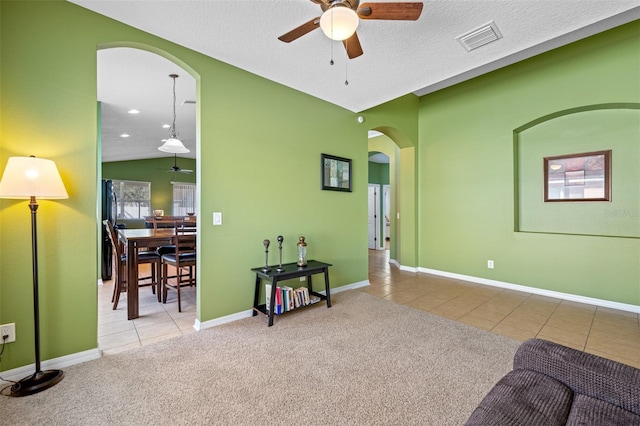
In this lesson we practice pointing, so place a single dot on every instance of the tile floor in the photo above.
(602, 331)
(157, 321)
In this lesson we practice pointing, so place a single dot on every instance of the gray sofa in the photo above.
(551, 384)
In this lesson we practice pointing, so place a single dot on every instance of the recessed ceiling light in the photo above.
(166, 126)
(124, 135)
(133, 111)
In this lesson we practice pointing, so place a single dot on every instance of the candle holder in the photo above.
(302, 252)
(266, 256)
(280, 268)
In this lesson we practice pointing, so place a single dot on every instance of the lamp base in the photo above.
(37, 382)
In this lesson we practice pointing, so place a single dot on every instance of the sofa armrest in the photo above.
(584, 373)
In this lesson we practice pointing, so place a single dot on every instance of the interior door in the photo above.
(374, 207)
(386, 207)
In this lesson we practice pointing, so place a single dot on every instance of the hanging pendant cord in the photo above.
(172, 131)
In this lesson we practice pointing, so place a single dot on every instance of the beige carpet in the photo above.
(365, 361)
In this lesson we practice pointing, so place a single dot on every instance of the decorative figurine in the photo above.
(302, 252)
(266, 256)
(280, 268)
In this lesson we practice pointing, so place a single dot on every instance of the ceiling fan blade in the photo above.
(390, 11)
(353, 47)
(303, 29)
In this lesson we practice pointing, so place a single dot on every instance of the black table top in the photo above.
(292, 269)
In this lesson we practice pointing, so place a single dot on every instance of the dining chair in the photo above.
(183, 257)
(120, 267)
(166, 221)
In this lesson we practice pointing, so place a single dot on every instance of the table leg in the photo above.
(256, 296)
(327, 287)
(272, 302)
(132, 281)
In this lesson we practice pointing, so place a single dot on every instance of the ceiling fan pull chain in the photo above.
(331, 41)
(331, 61)
(346, 64)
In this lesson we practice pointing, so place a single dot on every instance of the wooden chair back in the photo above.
(118, 249)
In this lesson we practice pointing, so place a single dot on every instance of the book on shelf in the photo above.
(287, 298)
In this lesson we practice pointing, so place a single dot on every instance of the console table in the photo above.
(291, 271)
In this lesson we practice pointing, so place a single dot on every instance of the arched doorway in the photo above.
(402, 200)
(137, 78)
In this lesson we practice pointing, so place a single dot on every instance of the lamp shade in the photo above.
(26, 177)
(339, 22)
(173, 146)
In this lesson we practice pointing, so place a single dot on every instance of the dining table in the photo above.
(134, 240)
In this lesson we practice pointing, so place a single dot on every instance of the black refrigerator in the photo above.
(109, 212)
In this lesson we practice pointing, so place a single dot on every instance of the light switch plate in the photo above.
(217, 218)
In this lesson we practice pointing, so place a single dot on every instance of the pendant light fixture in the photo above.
(173, 145)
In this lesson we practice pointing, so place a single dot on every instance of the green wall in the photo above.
(257, 164)
(469, 175)
(155, 171)
(378, 173)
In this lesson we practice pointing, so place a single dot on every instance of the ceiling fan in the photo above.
(177, 169)
(337, 12)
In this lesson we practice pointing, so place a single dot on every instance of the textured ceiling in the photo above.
(399, 57)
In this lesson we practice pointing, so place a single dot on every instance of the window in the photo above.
(184, 198)
(134, 198)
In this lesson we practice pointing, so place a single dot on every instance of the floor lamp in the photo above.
(31, 178)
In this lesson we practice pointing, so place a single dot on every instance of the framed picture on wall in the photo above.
(578, 177)
(336, 173)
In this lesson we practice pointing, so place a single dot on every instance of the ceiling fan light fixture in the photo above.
(339, 22)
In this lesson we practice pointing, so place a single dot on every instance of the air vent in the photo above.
(480, 36)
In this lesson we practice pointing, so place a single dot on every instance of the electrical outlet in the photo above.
(490, 264)
(8, 330)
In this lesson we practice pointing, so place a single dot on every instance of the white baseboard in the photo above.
(222, 320)
(534, 290)
(352, 286)
(408, 268)
(52, 364)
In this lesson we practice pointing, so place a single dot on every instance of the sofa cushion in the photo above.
(524, 397)
(584, 373)
(593, 412)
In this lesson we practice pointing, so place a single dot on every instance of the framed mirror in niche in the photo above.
(336, 173)
(578, 177)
